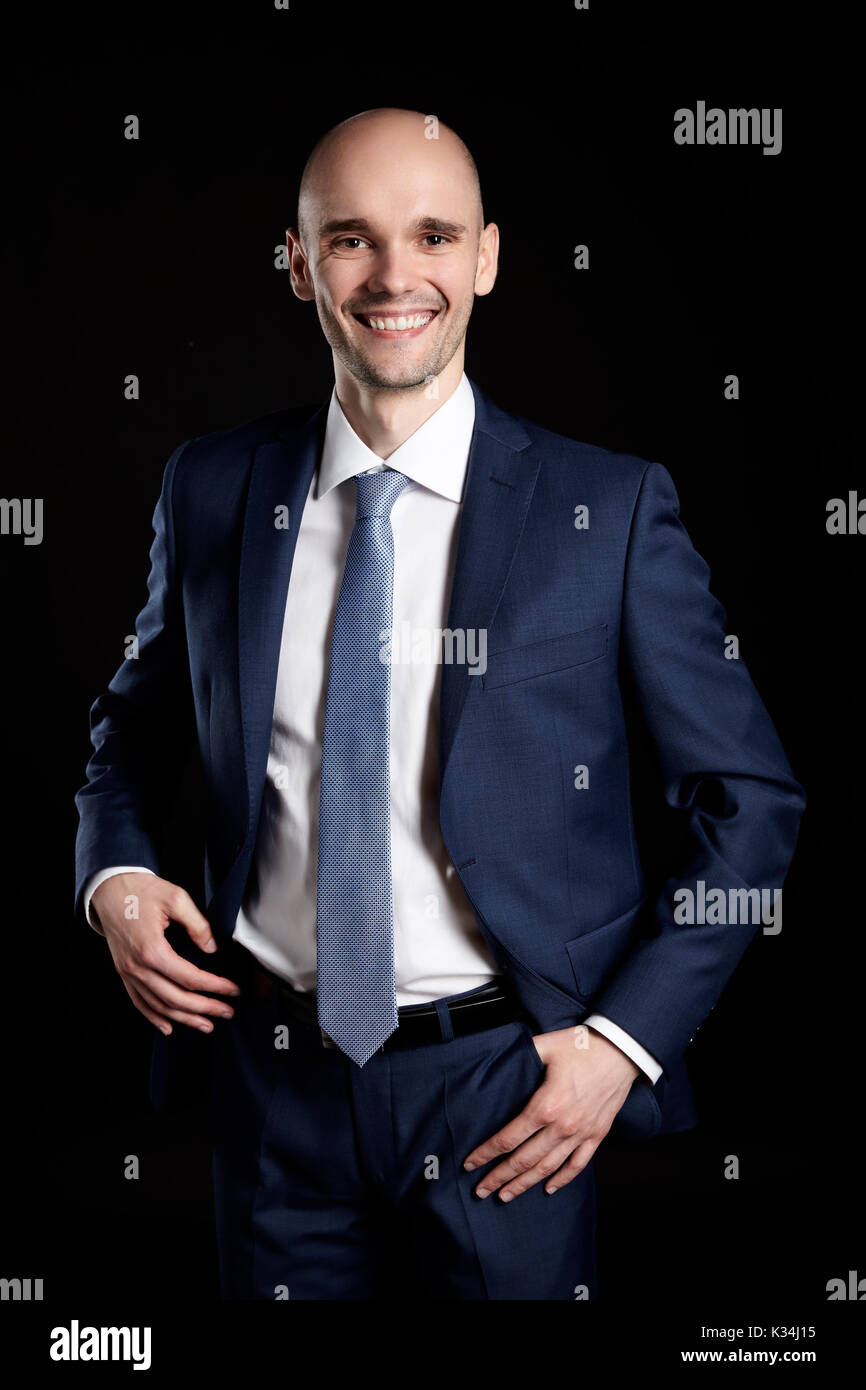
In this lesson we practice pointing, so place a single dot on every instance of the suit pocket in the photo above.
(596, 955)
(513, 664)
(536, 1055)
(640, 1115)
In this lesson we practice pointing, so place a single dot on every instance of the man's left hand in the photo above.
(557, 1132)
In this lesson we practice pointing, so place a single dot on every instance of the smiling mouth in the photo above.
(397, 325)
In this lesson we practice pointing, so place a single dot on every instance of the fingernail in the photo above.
(550, 1190)
(234, 990)
(482, 1192)
(205, 1027)
(164, 1028)
(506, 1196)
(468, 1165)
(209, 946)
(226, 1013)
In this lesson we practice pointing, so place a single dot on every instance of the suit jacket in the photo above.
(578, 617)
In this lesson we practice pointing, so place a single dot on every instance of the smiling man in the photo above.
(394, 284)
(450, 982)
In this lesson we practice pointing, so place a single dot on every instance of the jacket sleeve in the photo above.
(723, 768)
(142, 727)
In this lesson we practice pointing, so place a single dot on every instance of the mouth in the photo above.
(403, 325)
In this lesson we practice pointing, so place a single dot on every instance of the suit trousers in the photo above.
(339, 1182)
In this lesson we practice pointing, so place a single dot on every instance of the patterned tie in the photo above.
(357, 1000)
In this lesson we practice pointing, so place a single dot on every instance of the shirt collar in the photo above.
(436, 456)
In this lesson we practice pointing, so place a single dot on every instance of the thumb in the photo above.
(181, 908)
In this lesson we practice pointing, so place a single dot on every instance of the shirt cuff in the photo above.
(93, 883)
(626, 1043)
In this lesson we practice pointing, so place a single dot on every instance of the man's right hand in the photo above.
(160, 983)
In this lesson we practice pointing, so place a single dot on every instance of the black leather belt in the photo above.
(418, 1024)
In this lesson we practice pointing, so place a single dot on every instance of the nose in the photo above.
(392, 273)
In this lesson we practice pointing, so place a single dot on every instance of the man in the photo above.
(423, 884)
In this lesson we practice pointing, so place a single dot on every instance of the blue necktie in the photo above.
(357, 999)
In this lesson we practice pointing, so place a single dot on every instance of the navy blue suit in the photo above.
(576, 619)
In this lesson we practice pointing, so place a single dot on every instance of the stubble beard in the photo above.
(399, 377)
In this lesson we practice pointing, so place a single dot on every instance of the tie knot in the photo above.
(377, 492)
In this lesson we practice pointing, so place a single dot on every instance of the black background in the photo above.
(156, 257)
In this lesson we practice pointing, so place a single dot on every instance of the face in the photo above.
(393, 256)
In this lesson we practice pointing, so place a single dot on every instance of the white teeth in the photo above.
(399, 324)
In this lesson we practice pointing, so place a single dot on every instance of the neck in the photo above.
(385, 419)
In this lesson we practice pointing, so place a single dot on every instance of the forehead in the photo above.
(392, 183)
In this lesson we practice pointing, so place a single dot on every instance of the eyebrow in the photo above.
(424, 224)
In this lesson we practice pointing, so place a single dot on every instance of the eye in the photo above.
(344, 239)
(438, 236)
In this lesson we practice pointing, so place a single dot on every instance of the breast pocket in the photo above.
(526, 662)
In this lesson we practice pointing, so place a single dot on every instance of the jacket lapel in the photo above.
(280, 477)
(499, 484)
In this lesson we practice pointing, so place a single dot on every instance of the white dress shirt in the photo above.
(438, 947)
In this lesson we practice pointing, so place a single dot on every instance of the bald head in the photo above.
(391, 245)
(387, 137)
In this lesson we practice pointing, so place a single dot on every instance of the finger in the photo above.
(158, 1020)
(549, 1164)
(181, 908)
(171, 997)
(505, 1140)
(191, 1020)
(162, 959)
(576, 1164)
(545, 1147)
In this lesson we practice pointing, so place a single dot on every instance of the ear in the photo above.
(298, 267)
